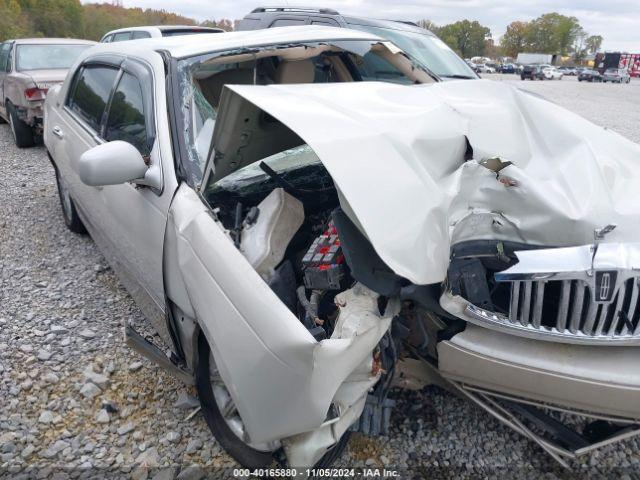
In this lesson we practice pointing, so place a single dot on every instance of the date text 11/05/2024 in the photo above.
(316, 472)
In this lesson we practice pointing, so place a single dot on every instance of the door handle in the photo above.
(57, 131)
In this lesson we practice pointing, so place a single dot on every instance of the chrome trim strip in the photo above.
(537, 308)
(578, 305)
(501, 323)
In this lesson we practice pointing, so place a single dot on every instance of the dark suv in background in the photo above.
(421, 44)
(532, 72)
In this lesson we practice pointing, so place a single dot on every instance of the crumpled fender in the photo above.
(281, 379)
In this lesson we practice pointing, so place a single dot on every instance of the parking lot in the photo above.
(61, 312)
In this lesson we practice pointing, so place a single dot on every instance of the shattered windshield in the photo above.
(202, 79)
(432, 52)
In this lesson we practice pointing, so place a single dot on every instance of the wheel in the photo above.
(22, 133)
(69, 212)
(226, 425)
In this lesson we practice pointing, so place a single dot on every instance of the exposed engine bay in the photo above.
(284, 216)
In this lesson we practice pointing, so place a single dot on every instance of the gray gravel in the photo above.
(75, 401)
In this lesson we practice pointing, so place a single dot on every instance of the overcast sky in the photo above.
(618, 21)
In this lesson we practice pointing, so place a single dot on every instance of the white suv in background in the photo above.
(135, 33)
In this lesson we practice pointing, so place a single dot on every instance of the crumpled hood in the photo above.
(397, 156)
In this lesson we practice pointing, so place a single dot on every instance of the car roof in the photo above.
(190, 45)
(402, 25)
(390, 24)
(52, 41)
(163, 28)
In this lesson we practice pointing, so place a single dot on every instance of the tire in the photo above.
(245, 454)
(69, 212)
(22, 133)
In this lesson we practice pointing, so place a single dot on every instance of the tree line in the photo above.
(69, 18)
(550, 33)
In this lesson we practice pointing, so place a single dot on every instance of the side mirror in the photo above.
(111, 163)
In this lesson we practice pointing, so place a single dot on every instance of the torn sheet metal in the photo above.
(282, 381)
(396, 154)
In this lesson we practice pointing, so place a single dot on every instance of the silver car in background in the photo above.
(29, 67)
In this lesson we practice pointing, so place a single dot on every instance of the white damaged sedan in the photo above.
(310, 219)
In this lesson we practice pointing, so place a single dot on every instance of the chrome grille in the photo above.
(568, 307)
(589, 294)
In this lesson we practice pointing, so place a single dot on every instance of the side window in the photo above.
(121, 37)
(289, 22)
(140, 34)
(91, 93)
(126, 120)
(5, 48)
(107, 39)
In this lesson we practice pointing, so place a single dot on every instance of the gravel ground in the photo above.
(76, 402)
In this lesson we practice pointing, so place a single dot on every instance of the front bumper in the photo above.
(592, 379)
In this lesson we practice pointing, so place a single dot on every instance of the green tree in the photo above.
(580, 48)
(54, 18)
(553, 33)
(224, 24)
(594, 42)
(101, 18)
(515, 39)
(428, 25)
(466, 37)
(12, 21)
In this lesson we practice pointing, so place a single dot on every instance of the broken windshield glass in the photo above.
(202, 80)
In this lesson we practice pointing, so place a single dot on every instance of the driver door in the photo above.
(112, 99)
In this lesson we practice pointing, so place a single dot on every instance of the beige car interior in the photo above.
(294, 65)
